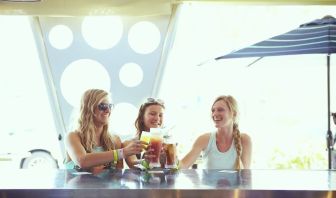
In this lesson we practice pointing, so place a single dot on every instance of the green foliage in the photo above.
(300, 160)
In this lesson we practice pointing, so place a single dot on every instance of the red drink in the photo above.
(156, 145)
(156, 141)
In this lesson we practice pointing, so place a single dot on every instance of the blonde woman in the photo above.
(225, 148)
(91, 146)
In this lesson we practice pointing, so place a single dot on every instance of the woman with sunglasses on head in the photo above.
(150, 115)
(225, 148)
(91, 146)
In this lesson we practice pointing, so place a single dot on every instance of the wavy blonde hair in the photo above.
(86, 128)
(233, 107)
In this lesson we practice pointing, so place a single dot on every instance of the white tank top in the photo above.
(214, 159)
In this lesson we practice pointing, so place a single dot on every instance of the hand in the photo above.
(134, 147)
(148, 155)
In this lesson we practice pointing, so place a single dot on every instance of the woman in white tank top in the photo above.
(225, 148)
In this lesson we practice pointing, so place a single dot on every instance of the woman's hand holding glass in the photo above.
(148, 153)
(133, 147)
(151, 154)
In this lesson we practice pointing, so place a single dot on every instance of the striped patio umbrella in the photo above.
(316, 37)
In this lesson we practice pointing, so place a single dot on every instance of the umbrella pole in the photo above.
(329, 137)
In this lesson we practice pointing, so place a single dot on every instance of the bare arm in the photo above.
(247, 150)
(199, 145)
(117, 141)
(130, 160)
(133, 160)
(83, 159)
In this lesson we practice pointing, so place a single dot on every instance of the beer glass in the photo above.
(170, 149)
(145, 136)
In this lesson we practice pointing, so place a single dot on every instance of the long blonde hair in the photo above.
(86, 127)
(233, 107)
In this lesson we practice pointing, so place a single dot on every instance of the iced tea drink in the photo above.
(170, 155)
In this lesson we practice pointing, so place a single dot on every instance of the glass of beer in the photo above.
(156, 141)
(145, 136)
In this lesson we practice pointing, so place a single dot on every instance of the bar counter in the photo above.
(165, 183)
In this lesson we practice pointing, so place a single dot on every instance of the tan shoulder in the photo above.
(116, 139)
(203, 140)
(205, 136)
(74, 135)
(245, 138)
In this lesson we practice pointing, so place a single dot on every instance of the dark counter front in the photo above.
(184, 183)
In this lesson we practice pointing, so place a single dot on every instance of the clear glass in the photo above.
(170, 149)
(156, 141)
(145, 136)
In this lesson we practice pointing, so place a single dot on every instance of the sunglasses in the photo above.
(105, 106)
(153, 100)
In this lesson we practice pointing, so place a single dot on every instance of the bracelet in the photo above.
(120, 154)
(115, 156)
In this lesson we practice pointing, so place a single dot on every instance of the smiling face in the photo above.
(153, 116)
(221, 114)
(102, 112)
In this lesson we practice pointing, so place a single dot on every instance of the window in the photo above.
(282, 100)
(27, 131)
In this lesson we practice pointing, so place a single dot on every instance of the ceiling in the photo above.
(86, 7)
(124, 7)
